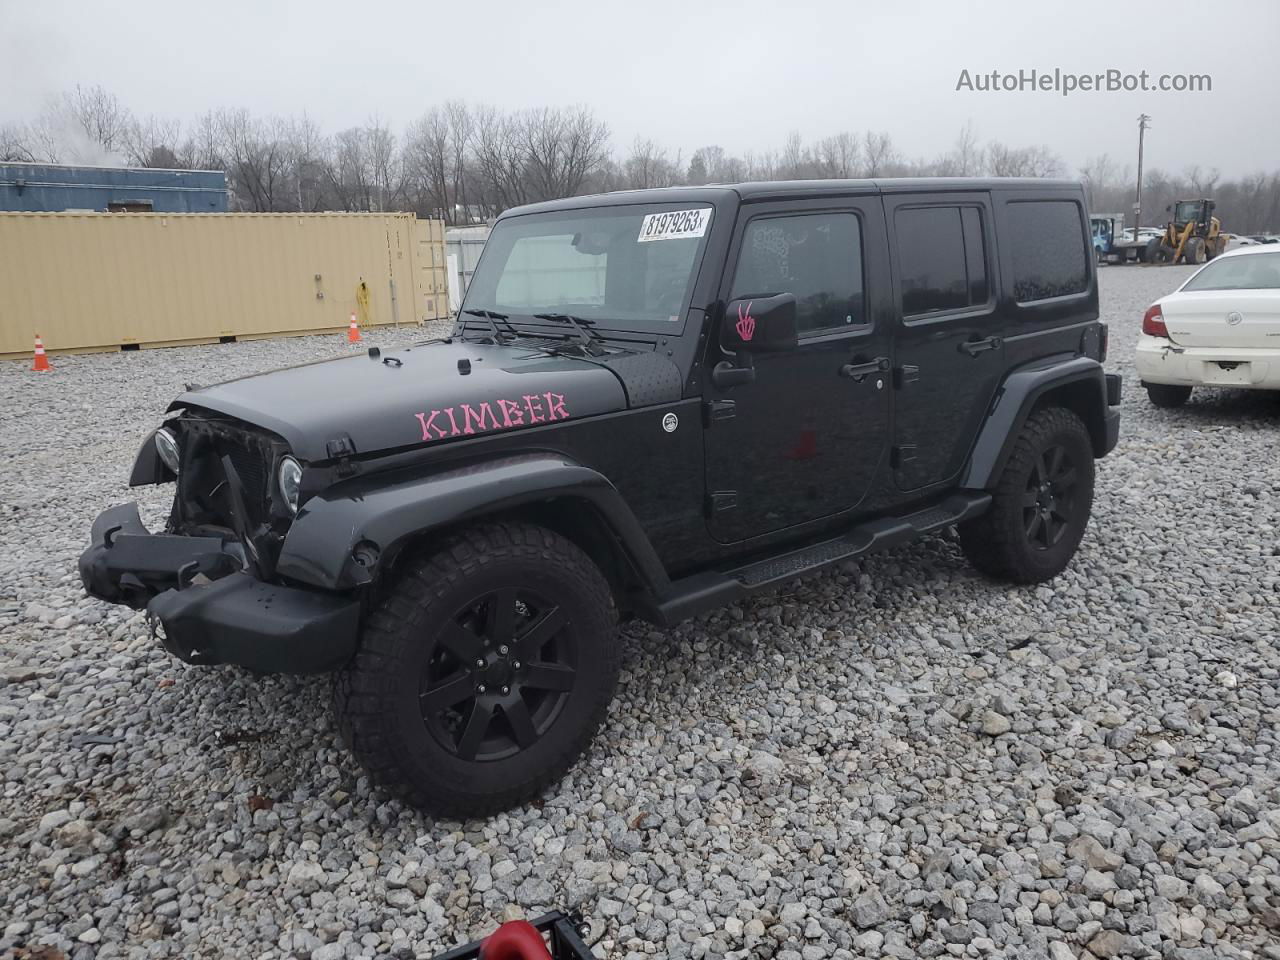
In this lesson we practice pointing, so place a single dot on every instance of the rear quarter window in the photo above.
(1049, 249)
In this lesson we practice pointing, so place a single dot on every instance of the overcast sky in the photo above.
(686, 73)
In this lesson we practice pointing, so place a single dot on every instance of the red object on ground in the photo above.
(41, 362)
(353, 331)
(515, 940)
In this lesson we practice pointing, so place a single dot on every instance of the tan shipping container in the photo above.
(95, 281)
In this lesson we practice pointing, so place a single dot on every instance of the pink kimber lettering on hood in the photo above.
(467, 419)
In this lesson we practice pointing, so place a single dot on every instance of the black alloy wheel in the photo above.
(503, 668)
(1049, 497)
(483, 672)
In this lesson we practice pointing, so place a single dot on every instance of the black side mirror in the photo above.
(760, 324)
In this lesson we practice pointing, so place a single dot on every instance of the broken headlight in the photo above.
(167, 448)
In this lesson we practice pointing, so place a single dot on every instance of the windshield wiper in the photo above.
(587, 339)
(492, 316)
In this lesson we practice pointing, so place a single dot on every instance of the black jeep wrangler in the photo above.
(651, 403)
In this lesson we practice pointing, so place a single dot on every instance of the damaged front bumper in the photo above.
(206, 608)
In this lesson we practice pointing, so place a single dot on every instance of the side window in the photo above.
(1048, 249)
(942, 258)
(816, 257)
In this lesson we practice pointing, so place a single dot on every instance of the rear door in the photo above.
(950, 352)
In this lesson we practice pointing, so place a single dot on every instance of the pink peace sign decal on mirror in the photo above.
(746, 325)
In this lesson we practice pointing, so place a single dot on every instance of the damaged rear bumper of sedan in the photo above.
(206, 608)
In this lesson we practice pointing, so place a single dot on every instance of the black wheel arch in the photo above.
(1077, 384)
(355, 533)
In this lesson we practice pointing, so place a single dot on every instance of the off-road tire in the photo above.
(1167, 395)
(1194, 252)
(1155, 251)
(376, 696)
(997, 542)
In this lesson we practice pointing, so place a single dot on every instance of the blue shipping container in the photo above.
(52, 187)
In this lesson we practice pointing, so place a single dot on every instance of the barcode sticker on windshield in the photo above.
(674, 225)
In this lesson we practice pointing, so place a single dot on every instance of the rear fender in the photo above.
(346, 536)
(1083, 386)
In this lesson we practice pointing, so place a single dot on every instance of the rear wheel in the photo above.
(484, 673)
(1167, 394)
(1040, 507)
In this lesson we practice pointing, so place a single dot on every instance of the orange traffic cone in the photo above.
(41, 363)
(353, 331)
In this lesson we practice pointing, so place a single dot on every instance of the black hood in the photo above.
(417, 396)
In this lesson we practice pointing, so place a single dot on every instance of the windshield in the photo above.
(1186, 210)
(1251, 271)
(628, 267)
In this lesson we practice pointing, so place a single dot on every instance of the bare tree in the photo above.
(1098, 176)
(436, 154)
(1202, 182)
(713, 165)
(649, 165)
(1006, 161)
(838, 156)
(153, 142)
(202, 147)
(964, 159)
(14, 142)
(98, 119)
(879, 153)
(561, 148)
(386, 168)
(258, 157)
(499, 160)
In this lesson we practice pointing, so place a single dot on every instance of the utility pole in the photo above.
(1143, 122)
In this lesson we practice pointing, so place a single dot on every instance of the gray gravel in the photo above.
(898, 758)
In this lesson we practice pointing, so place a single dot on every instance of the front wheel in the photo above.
(1040, 507)
(484, 673)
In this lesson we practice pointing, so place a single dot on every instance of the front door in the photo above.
(950, 348)
(806, 437)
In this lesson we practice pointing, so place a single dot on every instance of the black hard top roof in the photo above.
(797, 189)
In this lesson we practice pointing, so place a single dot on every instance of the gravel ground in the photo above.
(897, 758)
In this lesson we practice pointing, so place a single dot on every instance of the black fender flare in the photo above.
(1014, 402)
(342, 536)
(147, 466)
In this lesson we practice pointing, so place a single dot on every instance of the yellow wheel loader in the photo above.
(1194, 235)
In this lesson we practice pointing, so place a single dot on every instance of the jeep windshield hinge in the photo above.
(342, 448)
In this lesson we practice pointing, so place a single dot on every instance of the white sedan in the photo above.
(1219, 329)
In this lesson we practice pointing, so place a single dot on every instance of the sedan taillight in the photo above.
(1153, 322)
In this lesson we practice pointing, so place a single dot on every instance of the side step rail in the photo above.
(705, 591)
